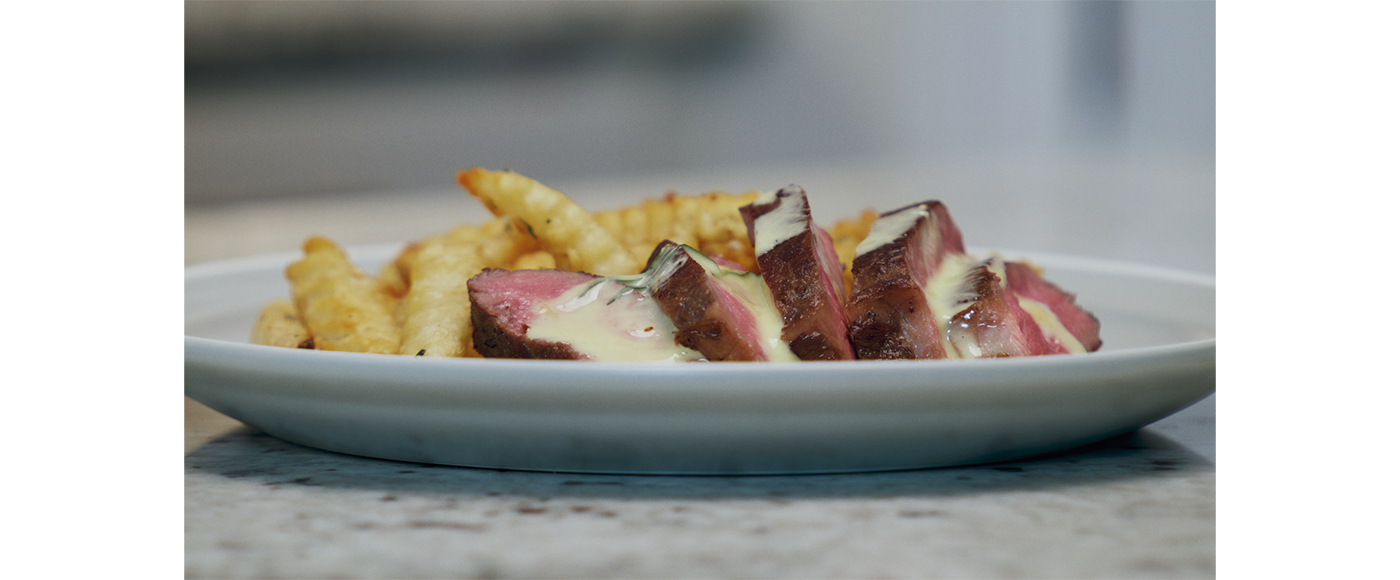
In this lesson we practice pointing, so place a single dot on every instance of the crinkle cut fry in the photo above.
(437, 308)
(709, 222)
(393, 276)
(537, 260)
(279, 325)
(562, 227)
(846, 234)
(344, 309)
(501, 243)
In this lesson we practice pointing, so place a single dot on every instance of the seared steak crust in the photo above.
(889, 314)
(493, 341)
(803, 274)
(501, 311)
(704, 320)
(992, 325)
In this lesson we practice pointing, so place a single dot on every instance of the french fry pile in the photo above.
(417, 305)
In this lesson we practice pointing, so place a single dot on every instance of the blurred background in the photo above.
(1078, 127)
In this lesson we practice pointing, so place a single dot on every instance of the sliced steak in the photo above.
(918, 294)
(801, 268)
(505, 303)
(991, 322)
(1072, 324)
(724, 314)
(568, 315)
(889, 312)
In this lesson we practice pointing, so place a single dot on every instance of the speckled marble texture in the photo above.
(1135, 506)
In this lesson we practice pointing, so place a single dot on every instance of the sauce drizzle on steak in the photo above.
(890, 315)
(917, 294)
(726, 315)
(801, 268)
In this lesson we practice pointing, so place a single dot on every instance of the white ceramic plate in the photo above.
(1158, 358)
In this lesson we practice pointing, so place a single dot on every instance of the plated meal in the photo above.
(712, 277)
(1153, 354)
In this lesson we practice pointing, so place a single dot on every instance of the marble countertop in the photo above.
(1140, 505)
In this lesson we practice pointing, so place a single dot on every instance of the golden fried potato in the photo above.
(279, 325)
(539, 260)
(846, 234)
(708, 222)
(500, 244)
(344, 309)
(437, 310)
(393, 276)
(563, 228)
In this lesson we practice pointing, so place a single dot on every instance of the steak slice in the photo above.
(889, 312)
(505, 303)
(1071, 324)
(801, 268)
(726, 315)
(991, 322)
(917, 294)
(553, 314)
